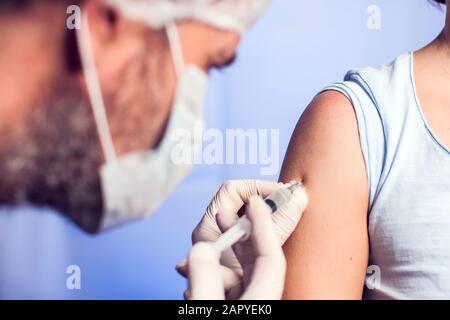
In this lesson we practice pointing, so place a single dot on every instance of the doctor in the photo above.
(89, 111)
(96, 93)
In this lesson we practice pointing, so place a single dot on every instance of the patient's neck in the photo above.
(445, 36)
(435, 57)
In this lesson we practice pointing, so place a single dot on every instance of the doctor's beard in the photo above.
(55, 161)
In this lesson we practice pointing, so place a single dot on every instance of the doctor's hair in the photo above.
(440, 1)
(13, 4)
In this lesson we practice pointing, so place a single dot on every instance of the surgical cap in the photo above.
(233, 15)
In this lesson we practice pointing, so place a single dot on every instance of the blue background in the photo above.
(293, 52)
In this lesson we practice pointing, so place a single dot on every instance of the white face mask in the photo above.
(134, 185)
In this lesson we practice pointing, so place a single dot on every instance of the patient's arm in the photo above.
(327, 255)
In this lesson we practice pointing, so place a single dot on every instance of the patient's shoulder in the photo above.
(326, 137)
(329, 108)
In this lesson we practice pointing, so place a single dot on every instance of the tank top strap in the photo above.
(382, 101)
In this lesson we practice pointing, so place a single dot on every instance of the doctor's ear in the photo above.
(103, 21)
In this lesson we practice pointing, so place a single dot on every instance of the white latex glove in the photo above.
(268, 265)
(229, 200)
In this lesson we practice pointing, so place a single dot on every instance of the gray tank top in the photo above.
(408, 171)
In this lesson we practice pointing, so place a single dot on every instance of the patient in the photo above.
(374, 154)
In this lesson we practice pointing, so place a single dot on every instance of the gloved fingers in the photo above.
(230, 278)
(288, 215)
(230, 198)
(263, 237)
(232, 294)
(242, 250)
(206, 230)
(205, 279)
(234, 194)
(226, 221)
(267, 279)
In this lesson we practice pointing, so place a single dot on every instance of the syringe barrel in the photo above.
(278, 198)
(238, 231)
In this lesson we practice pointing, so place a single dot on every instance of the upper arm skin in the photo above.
(327, 255)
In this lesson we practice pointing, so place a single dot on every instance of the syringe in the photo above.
(242, 228)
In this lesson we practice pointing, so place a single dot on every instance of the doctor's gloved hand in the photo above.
(230, 201)
(264, 264)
